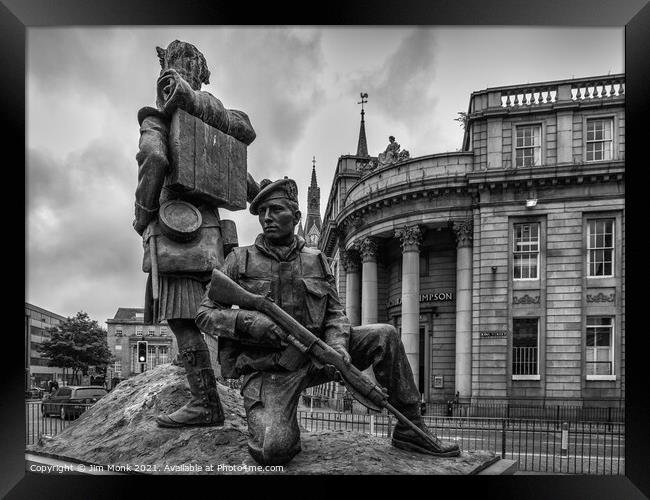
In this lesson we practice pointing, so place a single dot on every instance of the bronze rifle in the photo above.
(226, 292)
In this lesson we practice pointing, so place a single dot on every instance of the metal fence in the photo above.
(530, 410)
(558, 412)
(538, 445)
(37, 424)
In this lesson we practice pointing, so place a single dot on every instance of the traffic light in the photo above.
(142, 351)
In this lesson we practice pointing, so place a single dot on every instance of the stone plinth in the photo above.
(120, 430)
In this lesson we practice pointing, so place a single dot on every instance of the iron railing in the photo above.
(614, 412)
(538, 446)
(524, 360)
(37, 424)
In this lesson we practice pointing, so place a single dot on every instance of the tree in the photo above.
(77, 343)
(462, 118)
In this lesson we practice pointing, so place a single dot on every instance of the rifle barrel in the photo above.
(223, 287)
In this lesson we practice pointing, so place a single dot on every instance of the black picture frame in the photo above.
(17, 15)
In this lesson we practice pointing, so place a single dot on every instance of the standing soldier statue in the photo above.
(191, 160)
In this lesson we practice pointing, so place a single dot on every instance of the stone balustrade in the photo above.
(598, 89)
(528, 96)
(512, 98)
(416, 171)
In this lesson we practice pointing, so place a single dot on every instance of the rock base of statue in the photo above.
(120, 434)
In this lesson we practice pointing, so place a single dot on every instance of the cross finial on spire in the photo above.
(314, 184)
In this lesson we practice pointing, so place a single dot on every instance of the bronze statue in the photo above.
(298, 279)
(188, 144)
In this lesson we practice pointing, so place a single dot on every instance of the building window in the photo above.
(151, 357)
(118, 332)
(163, 355)
(526, 251)
(600, 245)
(138, 331)
(599, 139)
(117, 368)
(528, 149)
(525, 338)
(163, 331)
(152, 331)
(599, 356)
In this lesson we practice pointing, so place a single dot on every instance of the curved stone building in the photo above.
(501, 265)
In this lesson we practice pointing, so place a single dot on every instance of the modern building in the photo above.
(125, 329)
(502, 265)
(37, 321)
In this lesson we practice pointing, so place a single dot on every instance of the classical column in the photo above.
(351, 264)
(463, 232)
(368, 250)
(411, 237)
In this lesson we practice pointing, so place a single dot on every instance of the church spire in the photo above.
(313, 222)
(314, 184)
(362, 146)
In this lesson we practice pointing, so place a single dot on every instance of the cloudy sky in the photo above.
(300, 88)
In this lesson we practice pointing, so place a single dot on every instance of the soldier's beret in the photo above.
(284, 188)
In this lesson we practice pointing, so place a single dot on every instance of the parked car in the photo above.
(71, 401)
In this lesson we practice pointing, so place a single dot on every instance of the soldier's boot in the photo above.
(406, 438)
(204, 407)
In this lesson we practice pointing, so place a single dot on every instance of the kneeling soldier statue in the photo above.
(294, 284)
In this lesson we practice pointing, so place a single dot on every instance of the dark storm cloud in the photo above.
(401, 88)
